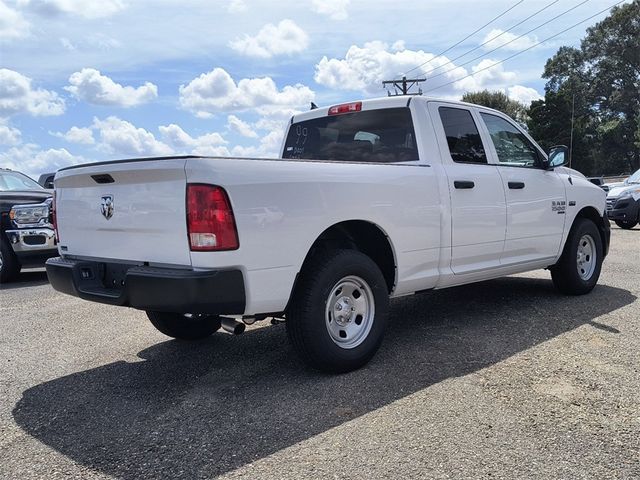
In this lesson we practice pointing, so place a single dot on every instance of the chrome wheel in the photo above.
(586, 257)
(349, 312)
(1, 261)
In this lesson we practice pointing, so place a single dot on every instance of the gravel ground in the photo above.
(503, 379)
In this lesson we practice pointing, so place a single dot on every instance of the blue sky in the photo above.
(86, 80)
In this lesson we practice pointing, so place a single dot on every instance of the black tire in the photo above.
(308, 317)
(627, 225)
(183, 326)
(566, 274)
(9, 263)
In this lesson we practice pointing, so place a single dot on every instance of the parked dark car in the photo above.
(599, 181)
(27, 236)
(46, 180)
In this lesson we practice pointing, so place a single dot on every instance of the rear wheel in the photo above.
(9, 264)
(185, 326)
(627, 225)
(337, 317)
(578, 269)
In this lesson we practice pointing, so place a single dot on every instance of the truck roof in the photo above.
(377, 103)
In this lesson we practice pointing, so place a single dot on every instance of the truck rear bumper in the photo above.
(219, 292)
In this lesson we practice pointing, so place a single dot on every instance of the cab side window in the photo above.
(463, 138)
(512, 147)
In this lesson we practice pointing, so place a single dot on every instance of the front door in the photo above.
(536, 198)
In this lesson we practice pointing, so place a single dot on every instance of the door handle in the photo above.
(516, 185)
(463, 184)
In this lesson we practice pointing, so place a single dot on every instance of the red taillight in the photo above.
(345, 108)
(54, 217)
(210, 221)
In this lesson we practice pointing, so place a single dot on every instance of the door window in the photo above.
(463, 138)
(513, 148)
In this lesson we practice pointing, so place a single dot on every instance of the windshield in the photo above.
(10, 181)
(635, 178)
(382, 135)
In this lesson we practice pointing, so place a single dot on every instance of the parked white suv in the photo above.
(623, 202)
(370, 200)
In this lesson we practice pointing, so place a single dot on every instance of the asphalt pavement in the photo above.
(502, 379)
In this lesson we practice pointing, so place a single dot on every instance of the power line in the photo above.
(497, 36)
(528, 48)
(465, 38)
(506, 43)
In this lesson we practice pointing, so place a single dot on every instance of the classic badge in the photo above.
(106, 206)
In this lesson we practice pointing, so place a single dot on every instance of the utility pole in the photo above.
(402, 86)
(573, 111)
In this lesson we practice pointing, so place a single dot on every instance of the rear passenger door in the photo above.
(478, 208)
(536, 198)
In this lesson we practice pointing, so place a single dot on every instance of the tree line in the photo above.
(595, 88)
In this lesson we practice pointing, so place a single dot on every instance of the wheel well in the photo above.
(592, 214)
(362, 236)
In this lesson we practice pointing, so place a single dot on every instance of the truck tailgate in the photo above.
(131, 211)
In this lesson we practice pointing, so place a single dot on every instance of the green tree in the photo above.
(601, 82)
(498, 101)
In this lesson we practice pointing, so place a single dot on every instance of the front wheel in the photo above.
(185, 326)
(338, 314)
(578, 269)
(9, 264)
(627, 225)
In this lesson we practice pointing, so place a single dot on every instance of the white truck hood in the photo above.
(621, 190)
(570, 171)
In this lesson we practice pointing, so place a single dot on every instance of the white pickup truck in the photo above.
(372, 199)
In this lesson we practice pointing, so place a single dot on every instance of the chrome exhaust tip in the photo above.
(232, 325)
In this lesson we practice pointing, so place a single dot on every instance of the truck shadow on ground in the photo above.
(202, 409)
(27, 278)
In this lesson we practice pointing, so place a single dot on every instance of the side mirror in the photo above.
(558, 156)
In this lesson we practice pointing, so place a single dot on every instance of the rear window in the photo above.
(379, 136)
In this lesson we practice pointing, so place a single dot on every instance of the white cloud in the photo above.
(524, 95)
(77, 135)
(93, 87)
(67, 44)
(18, 96)
(83, 8)
(121, 137)
(486, 74)
(335, 9)
(237, 6)
(208, 144)
(286, 38)
(12, 23)
(33, 161)
(269, 147)
(510, 41)
(216, 91)
(241, 127)
(364, 68)
(9, 135)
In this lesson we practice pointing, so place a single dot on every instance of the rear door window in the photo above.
(463, 138)
(378, 136)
